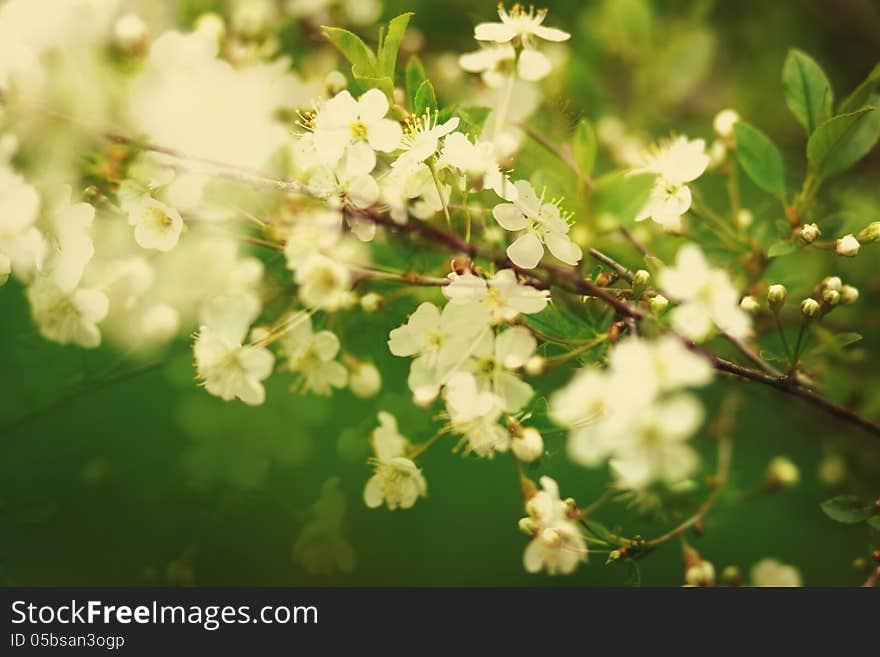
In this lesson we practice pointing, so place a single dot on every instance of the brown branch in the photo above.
(573, 281)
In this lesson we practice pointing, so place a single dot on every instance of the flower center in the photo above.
(358, 129)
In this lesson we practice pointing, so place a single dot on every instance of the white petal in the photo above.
(533, 65)
(385, 135)
(563, 248)
(550, 33)
(526, 252)
(498, 32)
(372, 106)
(509, 216)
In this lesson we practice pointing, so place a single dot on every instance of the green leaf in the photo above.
(860, 96)
(390, 45)
(808, 92)
(415, 75)
(843, 140)
(845, 339)
(583, 146)
(472, 119)
(874, 522)
(781, 248)
(384, 84)
(360, 56)
(622, 195)
(426, 99)
(760, 158)
(848, 509)
(557, 321)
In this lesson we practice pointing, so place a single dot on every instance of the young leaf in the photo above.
(387, 55)
(415, 75)
(859, 97)
(583, 147)
(426, 99)
(384, 84)
(760, 158)
(781, 248)
(808, 93)
(472, 119)
(847, 509)
(843, 140)
(362, 60)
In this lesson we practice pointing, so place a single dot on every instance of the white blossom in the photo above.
(521, 25)
(540, 224)
(20, 240)
(421, 138)
(502, 294)
(156, 225)
(477, 163)
(654, 447)
(675, 163)
(771, 573)
(474, 413)
(440, 341)
(397, 481)
(707, 297)
(313, 355)
(342, 122)
(324, 283)
(67, 316)
(230, 370)
(557, 545)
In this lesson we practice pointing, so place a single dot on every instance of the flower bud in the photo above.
(871, 233)
(640, 282)
(849, 295)
(830, 298)
(642, 278)
(658, 304)
(335, 82)
(528, 445)
(810, 308)
(365, 380)
(371, 302)
(782, 472)
(832, 283)
(810, 233)
(130, 33)
(535, 366)
(776, 295)
(527, 526)
(212, 23)
(750, 304)
(744, 218)
(723, 123)
(847, 246)
(700, 574)
(732, 576)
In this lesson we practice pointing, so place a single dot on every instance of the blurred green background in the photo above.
(117, 471)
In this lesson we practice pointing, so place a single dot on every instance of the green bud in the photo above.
(750, 304)
(810, 308)
(871, 233)
(776, 295)
(658, 304)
